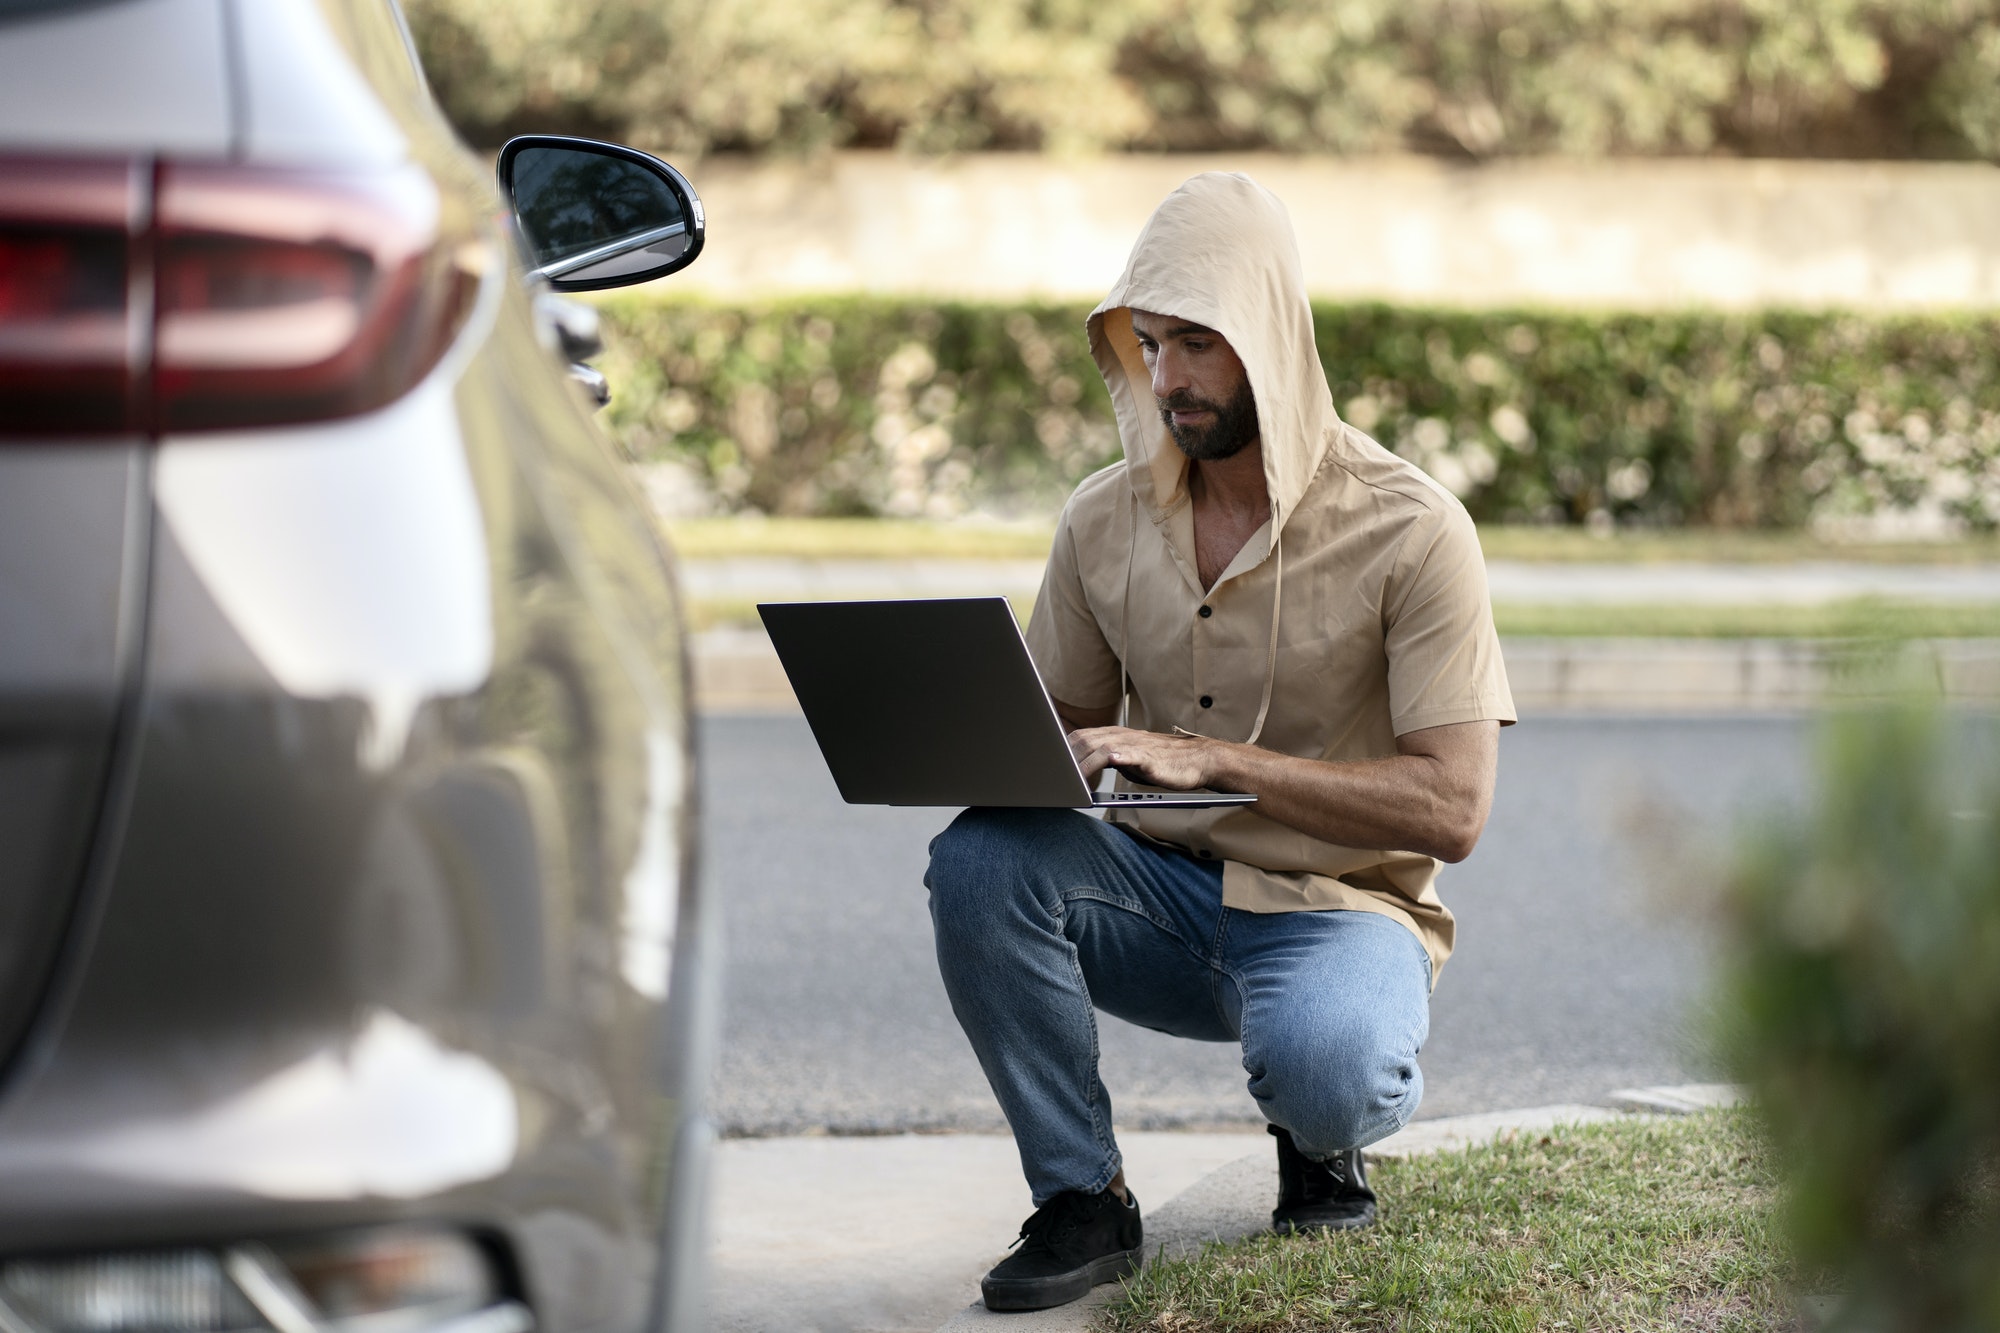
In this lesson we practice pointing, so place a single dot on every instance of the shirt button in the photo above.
(1206, 612)
(1207, 702)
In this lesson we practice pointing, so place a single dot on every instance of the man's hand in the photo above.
(1177, 763)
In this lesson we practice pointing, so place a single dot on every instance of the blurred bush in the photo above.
(850, 406)
(1825, 78)
(1867, 1001)
(863, 406)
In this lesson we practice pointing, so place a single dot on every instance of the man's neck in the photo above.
(1233, 486)
(1230, 503)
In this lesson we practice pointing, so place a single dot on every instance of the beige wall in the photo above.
(1622, 234)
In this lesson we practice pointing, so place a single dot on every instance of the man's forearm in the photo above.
(1431, 798)
(1407, 802)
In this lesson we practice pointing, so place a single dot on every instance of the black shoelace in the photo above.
(1052, 1224)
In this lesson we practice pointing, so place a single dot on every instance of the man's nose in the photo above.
(1169, 373)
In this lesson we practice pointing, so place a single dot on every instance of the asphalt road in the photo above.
(1584, 944)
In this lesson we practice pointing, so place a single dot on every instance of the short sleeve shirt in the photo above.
(1384, 628)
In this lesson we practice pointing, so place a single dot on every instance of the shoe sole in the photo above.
(1014, 1295)
(1288, 1227)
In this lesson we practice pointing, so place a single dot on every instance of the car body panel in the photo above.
(303, 103)
(392, 913)
(72, 533)
(368, 890)
(109, 78)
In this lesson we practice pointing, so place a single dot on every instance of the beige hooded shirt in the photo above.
(1357, 614)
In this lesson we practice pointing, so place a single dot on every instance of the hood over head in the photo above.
(1219, 252)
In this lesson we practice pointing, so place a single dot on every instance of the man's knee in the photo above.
(1339, 1094)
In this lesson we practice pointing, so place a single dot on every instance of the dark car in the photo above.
(353, 970)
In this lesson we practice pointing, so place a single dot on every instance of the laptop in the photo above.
(936, 702)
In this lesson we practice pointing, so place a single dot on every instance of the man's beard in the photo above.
(1234, 427)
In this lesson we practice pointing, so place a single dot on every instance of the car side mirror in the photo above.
(598, 215)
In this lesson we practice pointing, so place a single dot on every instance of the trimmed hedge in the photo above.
(852, 406)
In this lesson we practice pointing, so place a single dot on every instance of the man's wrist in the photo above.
(1222, 767)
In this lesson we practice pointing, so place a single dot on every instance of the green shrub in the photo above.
(853, 407)
(1480, 78)
(861, 406)
(1866, 990)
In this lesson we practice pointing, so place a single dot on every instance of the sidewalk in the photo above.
(891, 1234)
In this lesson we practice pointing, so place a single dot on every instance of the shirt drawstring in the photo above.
(1125, 612)
(1271, 652)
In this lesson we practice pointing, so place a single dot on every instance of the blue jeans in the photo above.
(1042, 914)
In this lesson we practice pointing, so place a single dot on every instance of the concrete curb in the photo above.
(736, 671)
(1234, 1201)
(1684, 1099)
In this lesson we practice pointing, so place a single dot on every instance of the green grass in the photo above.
(893, 538)
(1627, 1225)
(1703, 545)
(1859, 619)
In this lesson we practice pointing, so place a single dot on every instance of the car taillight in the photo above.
(223, 296)
(71, 339)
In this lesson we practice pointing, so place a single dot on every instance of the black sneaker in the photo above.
(1068, 1245)
(1320, 1196)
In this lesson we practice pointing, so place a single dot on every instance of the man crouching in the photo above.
(1279, 606)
